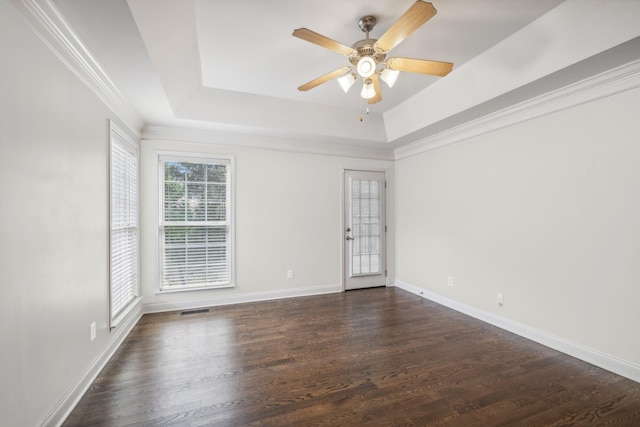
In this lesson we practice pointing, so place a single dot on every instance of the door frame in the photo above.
(341, 231)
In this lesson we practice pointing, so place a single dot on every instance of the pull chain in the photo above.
(367, 113)
(366, 110)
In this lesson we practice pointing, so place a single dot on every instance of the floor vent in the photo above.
(200, 310)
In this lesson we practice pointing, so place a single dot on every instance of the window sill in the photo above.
(204, 288)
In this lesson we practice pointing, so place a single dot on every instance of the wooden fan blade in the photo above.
(412, 19)
(422, 66)
(322, 79)
(322, 41)
(376, 85)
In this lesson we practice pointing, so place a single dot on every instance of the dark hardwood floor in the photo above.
(376, 357)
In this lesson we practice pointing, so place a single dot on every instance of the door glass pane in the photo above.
(365, 216)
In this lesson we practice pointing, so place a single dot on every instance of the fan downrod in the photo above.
(365, 47)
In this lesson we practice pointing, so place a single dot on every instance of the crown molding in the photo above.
(617, 80)
(47, 22)
(288, 143)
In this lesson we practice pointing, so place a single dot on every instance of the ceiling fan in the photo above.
(368, 57)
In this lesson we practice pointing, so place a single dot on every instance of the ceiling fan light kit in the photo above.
(347, 81)
(368, 91)
(369, 56)
(389, 76)
(366, 66)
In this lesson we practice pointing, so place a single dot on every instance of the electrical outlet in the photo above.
(500, 298)
(289, 274)
(93, 331)
(450, 281)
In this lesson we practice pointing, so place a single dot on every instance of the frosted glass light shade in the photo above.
(366, 66)
(368, 91)
(389, 76)
(347, 81)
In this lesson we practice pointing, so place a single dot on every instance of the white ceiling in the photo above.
(233, 65)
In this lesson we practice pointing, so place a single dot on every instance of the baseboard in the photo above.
(68, 402)
(241, 298)
(579, 351)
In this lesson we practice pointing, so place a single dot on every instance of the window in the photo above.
(124, 230)
(195, 223)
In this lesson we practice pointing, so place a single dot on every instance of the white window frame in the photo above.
(164, 156)
(124, 278)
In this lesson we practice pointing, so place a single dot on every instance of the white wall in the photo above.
(546, 212)
(53, 226)
(288, 216)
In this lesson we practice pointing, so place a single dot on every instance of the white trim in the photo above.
(288, 143)
(343, 170)
(68, 402)
(192, 289)
(241, 298)
(134, 144)
(47, 22)
(190, 156)
(579, 351)
(385, 221)
(618, 80)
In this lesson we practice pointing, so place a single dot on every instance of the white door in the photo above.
(365, 228)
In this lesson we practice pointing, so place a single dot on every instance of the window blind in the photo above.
(195, 224)
(124, 277)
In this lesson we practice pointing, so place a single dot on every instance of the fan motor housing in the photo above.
(365, 48)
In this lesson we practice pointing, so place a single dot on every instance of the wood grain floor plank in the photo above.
(376, 357)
